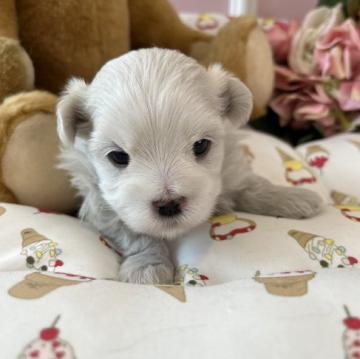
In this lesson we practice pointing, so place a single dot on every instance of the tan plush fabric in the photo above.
(241, 47)
(71, 37)
(229, 46)
(155, 23)
(22, 165)
(16, 71)
(13, 111)
(8, 20)
(259, 70)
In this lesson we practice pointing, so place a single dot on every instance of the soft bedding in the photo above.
(247, 286)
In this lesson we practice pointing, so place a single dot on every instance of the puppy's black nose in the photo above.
(169, 208)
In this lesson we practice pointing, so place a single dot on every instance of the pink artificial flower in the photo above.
(285, 104)
(349, 95)
(311, 104)
(337, 54)
(316, 24)
(288, 80)
(312, 111)
(280, 35)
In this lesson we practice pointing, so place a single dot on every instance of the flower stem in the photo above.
(342, 119)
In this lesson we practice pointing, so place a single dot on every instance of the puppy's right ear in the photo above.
(72, 117)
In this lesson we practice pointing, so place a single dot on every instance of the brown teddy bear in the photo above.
(45, 42)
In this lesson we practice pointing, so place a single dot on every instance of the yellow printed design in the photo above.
(229, 226)
(324, 250)
(2, 211)
(206, 22)
(41, 253)
(347, 204)
(296, 173)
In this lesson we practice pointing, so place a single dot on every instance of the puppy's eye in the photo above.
(201, 148)
(119, 158)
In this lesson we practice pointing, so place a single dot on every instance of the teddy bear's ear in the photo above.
(235, 99)
(72, 117)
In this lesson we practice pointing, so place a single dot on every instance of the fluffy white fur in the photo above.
(155, 104)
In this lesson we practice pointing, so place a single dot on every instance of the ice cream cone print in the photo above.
(301, 237)
(351, 336)
(41, 252)
(229, 226)
(355, 143)
(48, 345)
(338, 198)
(190, 277)
(324, 250)
(284, 156)
(30, 236)
(176, 291)
(296, 173)
(317, 156)
(2, 211)
(286, 284)
(347, 204)
(37, 285)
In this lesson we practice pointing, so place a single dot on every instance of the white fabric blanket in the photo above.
(247, 286)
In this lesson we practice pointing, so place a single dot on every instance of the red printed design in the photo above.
(48, 345)
(229, 226)
(296, 173)
(317, 156)
(351, 336)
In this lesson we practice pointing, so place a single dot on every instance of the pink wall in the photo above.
(267, 8)
(286, 8)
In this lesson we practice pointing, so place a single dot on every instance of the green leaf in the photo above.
(331, 3)
(353, 7)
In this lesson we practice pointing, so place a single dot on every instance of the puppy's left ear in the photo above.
(235, 100)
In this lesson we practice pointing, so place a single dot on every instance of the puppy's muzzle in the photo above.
(169, 208)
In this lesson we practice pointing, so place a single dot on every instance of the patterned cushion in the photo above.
(246, 286)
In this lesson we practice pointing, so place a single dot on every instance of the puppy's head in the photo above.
(153, 124)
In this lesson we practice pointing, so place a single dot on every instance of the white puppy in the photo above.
(152, 146)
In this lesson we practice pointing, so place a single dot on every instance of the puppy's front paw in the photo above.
(300, 203)
(135, 270)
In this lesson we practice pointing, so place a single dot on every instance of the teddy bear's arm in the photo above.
(155, 23)
(16, 69)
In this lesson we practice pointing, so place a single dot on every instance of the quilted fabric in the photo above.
(247, 286)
